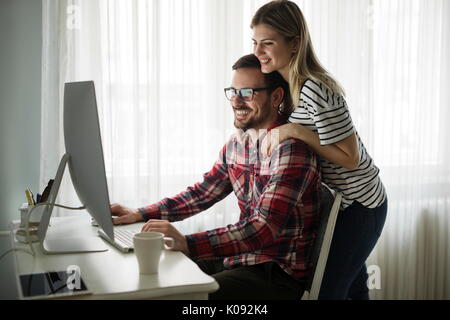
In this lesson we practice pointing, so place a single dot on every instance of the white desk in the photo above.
(115, 275)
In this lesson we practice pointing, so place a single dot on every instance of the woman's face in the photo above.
(272, 50)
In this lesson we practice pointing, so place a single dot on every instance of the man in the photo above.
(264, 254)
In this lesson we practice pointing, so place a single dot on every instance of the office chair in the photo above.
(329, 208)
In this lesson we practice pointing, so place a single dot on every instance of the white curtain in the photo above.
(392, 57)
(411, 111)
(160, 66)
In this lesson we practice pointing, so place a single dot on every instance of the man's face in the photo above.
(255, 114)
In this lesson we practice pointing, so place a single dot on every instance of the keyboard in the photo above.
(123, 238)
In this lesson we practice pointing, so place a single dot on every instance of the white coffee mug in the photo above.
(148, 247)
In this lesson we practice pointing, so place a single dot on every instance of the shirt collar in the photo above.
(244, 136)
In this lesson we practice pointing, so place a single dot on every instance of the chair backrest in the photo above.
(329, 208)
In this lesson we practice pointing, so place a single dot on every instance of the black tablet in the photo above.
(50, 285)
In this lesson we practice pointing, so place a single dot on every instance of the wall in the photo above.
(20, 100)
(20, 118)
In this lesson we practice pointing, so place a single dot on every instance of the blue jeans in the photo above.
(356, 232)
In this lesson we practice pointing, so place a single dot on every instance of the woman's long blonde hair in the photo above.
(286, 18)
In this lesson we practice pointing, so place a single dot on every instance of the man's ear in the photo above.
(277, 97)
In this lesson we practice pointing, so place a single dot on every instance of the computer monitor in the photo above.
(84, 157)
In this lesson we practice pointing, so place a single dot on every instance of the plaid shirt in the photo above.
(278, 197)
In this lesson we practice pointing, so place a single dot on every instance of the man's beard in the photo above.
(244, 126)
(253, 122)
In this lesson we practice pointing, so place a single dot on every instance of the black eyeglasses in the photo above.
(246, 94)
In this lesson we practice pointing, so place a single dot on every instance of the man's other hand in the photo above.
(165, 227)
(125, 215)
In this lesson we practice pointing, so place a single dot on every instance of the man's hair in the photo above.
(273, 80)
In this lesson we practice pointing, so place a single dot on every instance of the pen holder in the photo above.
(35, 219)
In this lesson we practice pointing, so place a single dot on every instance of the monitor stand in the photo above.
(73, 245)
(66, 244)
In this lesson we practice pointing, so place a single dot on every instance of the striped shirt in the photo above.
(326, 113)
(278, 197)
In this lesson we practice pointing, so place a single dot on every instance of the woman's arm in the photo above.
(344, 153)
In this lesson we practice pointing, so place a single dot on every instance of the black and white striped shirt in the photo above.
(326, 113)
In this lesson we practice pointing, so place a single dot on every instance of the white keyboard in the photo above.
(123, 238)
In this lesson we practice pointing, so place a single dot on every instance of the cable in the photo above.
(27, 227)
(70, 208)
(12, 250)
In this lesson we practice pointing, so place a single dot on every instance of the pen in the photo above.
(29, 196)
(32, 196)
(46, 192)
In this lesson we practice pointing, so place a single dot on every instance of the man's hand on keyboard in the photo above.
(125, 215)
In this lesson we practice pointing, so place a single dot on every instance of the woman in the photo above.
(321, 118)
